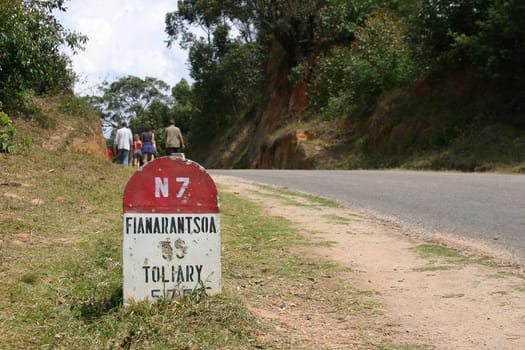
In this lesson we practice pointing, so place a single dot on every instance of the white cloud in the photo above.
(126, 37)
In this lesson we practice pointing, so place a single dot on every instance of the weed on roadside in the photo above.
(440, 258)
(341, 220)
(295, 198)
(403, 347)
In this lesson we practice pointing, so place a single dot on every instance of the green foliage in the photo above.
(139, 102)
(135, 101)
(207, 15)
(73, 105)
(487, 34)
(7, 134)
(30, 38)
(436, 19)
(378, 61)
(349, 54)
(298, 74)
(437, 255)
(362, 142)
(26, 142)
(497, 46)
(382, 47)
(181, 92)
(227, 70)
(241, 69)
(183, 110)
(339, 20)
(389, 346)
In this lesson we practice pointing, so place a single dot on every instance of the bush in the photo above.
(7, 134)
(378, 61)
(29, 44)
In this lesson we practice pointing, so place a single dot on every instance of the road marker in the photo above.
(171, 231)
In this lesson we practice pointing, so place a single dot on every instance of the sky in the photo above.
(126, 37)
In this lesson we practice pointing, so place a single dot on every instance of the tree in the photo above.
(437, 19)
(226, 67)
(183, 110)
(30, 57)
(181, 92)
(496, 44)
(129, 98)
(302, 28)
(378, 60)
(486, 36)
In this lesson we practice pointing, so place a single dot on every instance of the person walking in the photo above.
(109, 153)
(137, 154)
(148, 140)
(123, 144)
(174, 139)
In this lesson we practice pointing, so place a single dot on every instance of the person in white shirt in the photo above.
(123, 144)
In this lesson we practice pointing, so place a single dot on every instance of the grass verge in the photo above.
(288, 197)
(440, 258)
(60, 254)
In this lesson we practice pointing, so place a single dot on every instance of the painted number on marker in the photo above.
(185, 182)
(162, 186)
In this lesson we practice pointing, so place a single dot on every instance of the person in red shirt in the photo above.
(137, 155)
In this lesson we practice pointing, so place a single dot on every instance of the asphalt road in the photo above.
(481, 206)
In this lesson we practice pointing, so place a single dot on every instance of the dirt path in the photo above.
(435, 303)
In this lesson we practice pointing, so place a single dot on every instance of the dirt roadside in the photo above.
(423, 302)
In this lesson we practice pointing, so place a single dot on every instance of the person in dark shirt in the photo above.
(148, 149)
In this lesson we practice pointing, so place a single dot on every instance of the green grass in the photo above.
(434, 268)
(340, 220)
(520, 286)
(403, 347)
(295, 198)
(61, 267)
(62, 272)
(259, 246)
(440, 258)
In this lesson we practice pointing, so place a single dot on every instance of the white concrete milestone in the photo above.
(171, 232)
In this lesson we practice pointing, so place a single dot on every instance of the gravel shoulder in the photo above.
(430, 302)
